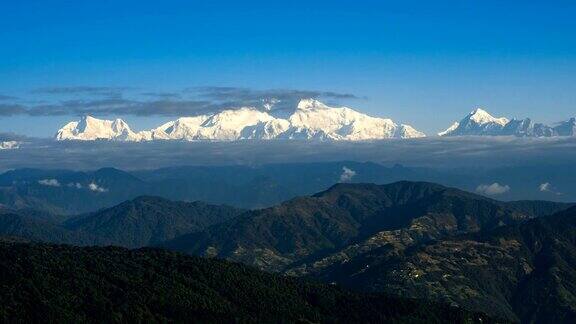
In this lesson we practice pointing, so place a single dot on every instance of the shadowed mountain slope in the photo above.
(308, 227)
(69, 284)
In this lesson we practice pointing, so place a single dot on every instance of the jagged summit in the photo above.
(479, 123)
(481, 116)
(311, 103)
(89, 128)
(311, 119)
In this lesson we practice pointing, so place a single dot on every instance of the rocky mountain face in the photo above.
(310, 120)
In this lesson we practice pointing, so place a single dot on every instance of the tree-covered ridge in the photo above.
(408, 239)
(134, 223)
(147, 220)
(306, 228)
(59, 283)
(524, 272)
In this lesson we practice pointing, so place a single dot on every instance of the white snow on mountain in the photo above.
(480, 123)
(450, 129)
(311, 119)
(89, 128)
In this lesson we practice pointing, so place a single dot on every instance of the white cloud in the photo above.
(545, 187)
(94, 187)
(493, 189)
(49, 182)
(75, 185)
(9, 145)
(347, 174)
(425, 152)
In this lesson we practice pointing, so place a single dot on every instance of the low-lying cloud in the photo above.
(49, 182)
(75, 185)
(96, 188)
(347, 174)
(492, 189)
(435, 152)
(547, 187)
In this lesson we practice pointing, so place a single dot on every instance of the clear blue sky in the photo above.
(422, 62)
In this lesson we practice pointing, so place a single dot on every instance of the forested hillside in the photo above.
(50, 283)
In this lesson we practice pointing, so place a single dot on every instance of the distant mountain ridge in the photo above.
(311, 120)
(140, 222)
(415, 239)
(480, 123)
(146, 221)
(303, 228)
(70, 192)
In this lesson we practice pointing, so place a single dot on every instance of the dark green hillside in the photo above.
(306, 228)
(28, 227)
(149, 220)
(524, 272)
(135, 223)
(48, 283)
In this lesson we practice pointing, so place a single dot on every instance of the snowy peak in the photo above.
(311, 119)
(481, 123)
(89, 128)
(481, 117)
(315, 120)
(477, 122)
(305, 104)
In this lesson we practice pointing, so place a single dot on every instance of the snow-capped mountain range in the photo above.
(89, 128)
(311, 119)
(481, 123)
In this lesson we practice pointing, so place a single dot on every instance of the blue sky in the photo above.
(425, 63)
